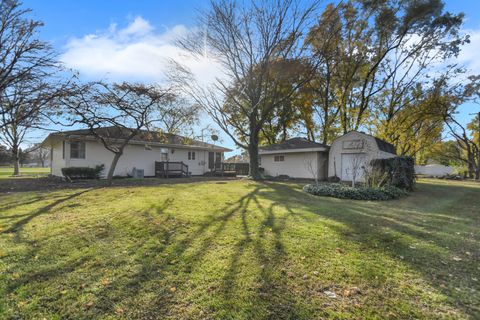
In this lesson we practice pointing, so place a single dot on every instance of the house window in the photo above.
(191, 155)
(63, 149)
(259, 160)
(278, 158)
(77, 150)
(163, 154)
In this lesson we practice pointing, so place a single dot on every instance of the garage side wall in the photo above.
(295, 165)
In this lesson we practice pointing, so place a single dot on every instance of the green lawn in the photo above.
(239, 250)
(6, 173)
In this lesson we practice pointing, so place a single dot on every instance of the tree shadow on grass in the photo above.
(171, 250)
(179, 255)
(26, 218)
(425, 230)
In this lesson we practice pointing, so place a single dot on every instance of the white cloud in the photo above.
(470, 51)
(136, 52)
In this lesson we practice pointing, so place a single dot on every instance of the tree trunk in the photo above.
(116, 157)
(253, 152)
(16, 160)
(471, 165)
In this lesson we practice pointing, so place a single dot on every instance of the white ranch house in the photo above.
(79, 148)
(301, 158)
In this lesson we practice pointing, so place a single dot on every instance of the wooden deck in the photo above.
(169, 169)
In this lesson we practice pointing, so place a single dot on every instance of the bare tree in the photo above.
(356, 170)
(311, 168)
(28, 77)
(25, 106)
(360, 160)
(39, 154)
(247, 40)
(25, 61)
(114, 114)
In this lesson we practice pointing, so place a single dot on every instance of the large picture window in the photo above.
(77, 150)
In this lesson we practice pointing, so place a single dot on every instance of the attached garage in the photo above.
(296, 158)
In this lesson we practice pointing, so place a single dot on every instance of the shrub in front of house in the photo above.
(79, 173)
(342, 191)
(396, 172)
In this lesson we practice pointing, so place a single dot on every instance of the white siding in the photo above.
(57, 159)
(369, 148)
(133, 156)
(295, 165)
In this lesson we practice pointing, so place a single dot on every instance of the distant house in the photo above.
(79, 148)
(434, 169)
(301, 158)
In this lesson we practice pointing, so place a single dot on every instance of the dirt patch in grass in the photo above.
(47, 183)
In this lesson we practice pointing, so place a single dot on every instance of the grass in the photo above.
(6, 172)
(239, 250)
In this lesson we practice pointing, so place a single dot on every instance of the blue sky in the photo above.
(102, 38)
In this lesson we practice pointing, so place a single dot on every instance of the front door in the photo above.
(211, 160)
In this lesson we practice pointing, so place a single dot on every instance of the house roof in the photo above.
(385, 146)
(294, 144)
(144, 136)
(381, 144)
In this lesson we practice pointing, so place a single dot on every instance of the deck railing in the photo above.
(232, 168)
(165, 169)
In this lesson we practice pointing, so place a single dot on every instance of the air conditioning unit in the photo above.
(138, 173)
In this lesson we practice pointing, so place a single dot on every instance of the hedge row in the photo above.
(396, 172)
(78, 173)
(342, 191)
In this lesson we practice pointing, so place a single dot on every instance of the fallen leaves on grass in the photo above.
(352, 291)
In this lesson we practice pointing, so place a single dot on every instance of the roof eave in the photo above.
(298, 150)
(137, 142)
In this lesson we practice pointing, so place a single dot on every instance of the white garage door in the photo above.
(352, 164)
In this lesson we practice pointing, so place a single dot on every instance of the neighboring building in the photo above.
(301, 158)
(436, 170)
(355, 148)
(296, 158)
(79, 148)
